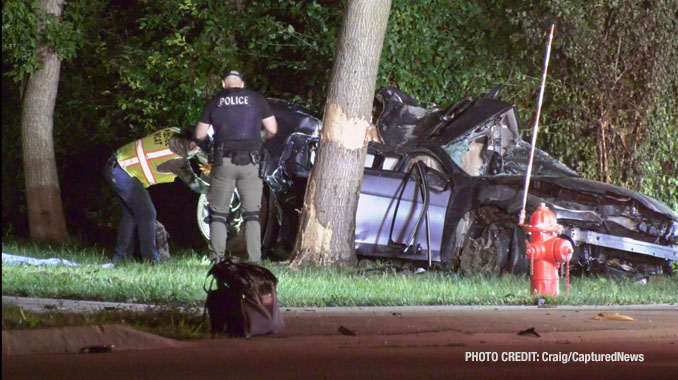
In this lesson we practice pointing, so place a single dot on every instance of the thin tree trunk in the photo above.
(45, 212)
(327, 227)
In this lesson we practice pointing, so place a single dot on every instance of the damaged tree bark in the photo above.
(45, 213)
(327, 226)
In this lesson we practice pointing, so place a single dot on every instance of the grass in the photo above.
(180, 282)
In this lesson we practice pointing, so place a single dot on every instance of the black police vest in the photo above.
(237, 120)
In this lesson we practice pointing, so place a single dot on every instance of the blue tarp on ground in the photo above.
(8, 259)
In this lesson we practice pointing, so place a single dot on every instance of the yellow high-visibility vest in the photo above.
(141, 158)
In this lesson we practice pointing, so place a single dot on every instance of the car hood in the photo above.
(581, 201)
(605, 191)
(403, 121)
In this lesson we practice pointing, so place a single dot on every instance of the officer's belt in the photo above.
(242, 146)
(231, 153)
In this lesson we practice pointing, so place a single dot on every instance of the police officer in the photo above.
(157, 158)
(237, 115)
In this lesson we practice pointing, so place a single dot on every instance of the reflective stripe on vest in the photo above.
(141, 157)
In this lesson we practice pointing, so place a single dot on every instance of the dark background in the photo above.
(142, 66)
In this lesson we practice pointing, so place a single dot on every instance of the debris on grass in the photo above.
(8, 259)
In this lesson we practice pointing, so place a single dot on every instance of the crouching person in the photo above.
(157, 158)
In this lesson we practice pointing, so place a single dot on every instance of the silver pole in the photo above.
(521, 218)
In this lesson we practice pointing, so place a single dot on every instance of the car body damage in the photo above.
(445, 188)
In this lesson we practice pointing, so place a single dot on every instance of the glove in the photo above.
(206, 169)
(199, 186)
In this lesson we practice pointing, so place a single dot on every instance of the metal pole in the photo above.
(521, 218)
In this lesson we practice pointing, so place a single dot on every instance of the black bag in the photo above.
(244, 302)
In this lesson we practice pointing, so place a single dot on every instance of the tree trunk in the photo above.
(45, 212)
(327, 225)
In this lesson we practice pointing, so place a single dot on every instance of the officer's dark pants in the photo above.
(225, 178)
(137, 212)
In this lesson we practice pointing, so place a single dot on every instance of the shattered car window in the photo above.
(515, 162)
(480, 150)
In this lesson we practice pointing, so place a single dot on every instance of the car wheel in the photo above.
(518, 263)
(485, 253)
(492, 245)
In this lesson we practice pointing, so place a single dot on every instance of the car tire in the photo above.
(493, 245)
(518, 263)
(486, 252)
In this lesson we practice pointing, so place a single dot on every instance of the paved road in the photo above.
(398, 343)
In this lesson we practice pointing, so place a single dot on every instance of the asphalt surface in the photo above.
(445, 342)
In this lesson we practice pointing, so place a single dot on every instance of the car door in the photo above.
(401, 209)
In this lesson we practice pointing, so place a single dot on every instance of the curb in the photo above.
(48, 305)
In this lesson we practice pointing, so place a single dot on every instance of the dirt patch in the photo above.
(74, 339)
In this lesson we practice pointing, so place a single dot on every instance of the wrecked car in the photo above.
(444, 187)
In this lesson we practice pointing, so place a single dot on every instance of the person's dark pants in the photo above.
(225, 179)
(137, 212)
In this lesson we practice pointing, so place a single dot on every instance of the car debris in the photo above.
(97, 349)
(346, 331)
(444, 189)
(530, 331)
(612, 317)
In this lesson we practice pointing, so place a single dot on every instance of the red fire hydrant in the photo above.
(546, 252)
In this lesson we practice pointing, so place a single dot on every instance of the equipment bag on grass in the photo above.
(162, 241)
(244, 302)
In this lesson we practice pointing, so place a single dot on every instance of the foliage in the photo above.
(441, 51)
(25, 27)
(178, 50)
(135, 66)
(612, 85)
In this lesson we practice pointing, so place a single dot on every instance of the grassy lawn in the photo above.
(180, 282)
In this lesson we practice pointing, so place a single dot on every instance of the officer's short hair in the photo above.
(233, 73)
(233, 79)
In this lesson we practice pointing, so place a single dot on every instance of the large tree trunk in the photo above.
(327, 227)
(45, 212)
